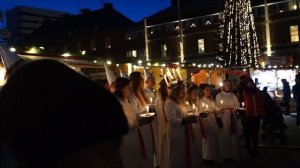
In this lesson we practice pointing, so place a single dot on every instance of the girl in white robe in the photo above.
(176, 129)
(209, 128)
(177, 120)
(195, 132)
(129, 151)
(228, 103)
(162, 125)
(138, 101)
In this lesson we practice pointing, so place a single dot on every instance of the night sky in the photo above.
(134, 9)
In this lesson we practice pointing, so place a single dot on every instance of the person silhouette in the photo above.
(51, 116)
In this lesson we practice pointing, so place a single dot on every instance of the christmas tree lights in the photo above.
(238, 44)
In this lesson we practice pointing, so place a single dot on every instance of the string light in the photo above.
(238, 40)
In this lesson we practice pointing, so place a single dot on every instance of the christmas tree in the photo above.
(238, 44)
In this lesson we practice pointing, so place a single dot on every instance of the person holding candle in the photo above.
(129, 151)
(145, 129)
(195, 133)
(254, 105)
(178, 156)
(159, 102)
(228, 103)
(209, 128)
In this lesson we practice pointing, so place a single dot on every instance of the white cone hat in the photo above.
(9, 58)
(169, 74)
(122, 74)
(109, 74)
(147, 73)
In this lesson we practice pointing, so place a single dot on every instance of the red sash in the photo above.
(232, 122)
(187, 147)
(142, 144)
(203, 133)
(153, 140)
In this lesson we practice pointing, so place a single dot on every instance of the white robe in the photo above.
(146, 134)
(210, 144)
(228, 141)
(130, 152)
(196, 142)
(162, 133)
(150, 95)
(176, 135)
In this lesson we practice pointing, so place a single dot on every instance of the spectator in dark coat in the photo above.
(296, 93)
(286, 95)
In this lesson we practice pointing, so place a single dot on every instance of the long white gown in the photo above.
(130, 152)
(227, 101)
(196, 140)
(145, 130)
(151, 96)
(176, 135)
(210, 137)
(162, 133)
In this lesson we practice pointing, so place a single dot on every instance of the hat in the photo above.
(122, 74)
(169, 74)
(147, 73)
(9, 58)
(109, 74)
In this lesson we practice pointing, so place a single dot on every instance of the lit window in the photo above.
(131, 53)
(107, 42)
(164, 50)
(294, 33)
(201, 48)
(292, 5)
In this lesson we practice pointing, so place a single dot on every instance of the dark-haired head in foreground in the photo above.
(51, 116)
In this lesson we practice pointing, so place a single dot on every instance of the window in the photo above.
(131, 53)
(107, 42)
(201, 48)
(294, 33)
(292, 5)
(164, 50)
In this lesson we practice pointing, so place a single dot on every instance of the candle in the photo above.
(203, 105)
(222, 102)
(206, 106)
(187, 103)
(147, 110)
(243, 104)
(151, 100)
(194, 109)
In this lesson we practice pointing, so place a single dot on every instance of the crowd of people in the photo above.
(193, 124)
(54, 119)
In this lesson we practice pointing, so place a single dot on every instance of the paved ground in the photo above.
(273, 156)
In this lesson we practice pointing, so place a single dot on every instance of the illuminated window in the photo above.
(164, 50)
(292, 5)
(201, 48)
(131, 53)
(294, 33)
(107, 42)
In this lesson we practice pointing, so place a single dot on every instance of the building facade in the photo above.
(92, 35)
(22, 21)
(199, 27)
